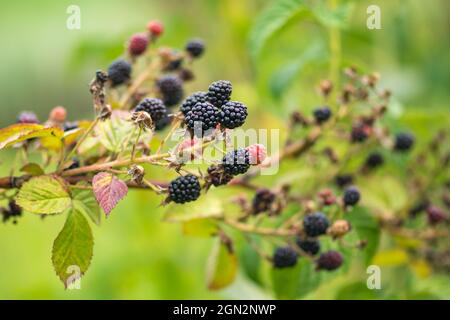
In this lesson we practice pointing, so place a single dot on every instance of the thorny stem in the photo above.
(260, 230)
(80, 141)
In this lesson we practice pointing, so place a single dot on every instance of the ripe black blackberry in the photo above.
(119, 72)
(315, 224)
(184, 189)
(311, 247)
(351, 196)
(162, 123)
(219, 92)
(195, 48)
(171, 88)
(360, 133)
(330, 260)
(217, 176)
(284, 257)
(262, 201)
(322, 114)
(75, 164)
(374, 160)
(232, 114)
(236, 162)
(343, 180)
(192, 100)
(403, 141)
(202, 118)
(154, 107)
(419, 207)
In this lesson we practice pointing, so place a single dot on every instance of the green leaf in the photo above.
(33, 169)
(338, 17)
(44, 195)
(367, 227)
(273, 18)
(24, 131)
(84, 201)
(309, 279)
(73, 248)
(250, 262)
(357, 291)
(285, 281)
(199, 228)
(221, 268)
(284, 77)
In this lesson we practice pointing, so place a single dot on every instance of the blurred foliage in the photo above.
(274, 52)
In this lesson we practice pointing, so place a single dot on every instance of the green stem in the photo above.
(335, 52)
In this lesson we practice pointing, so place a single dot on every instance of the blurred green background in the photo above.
(136, 256)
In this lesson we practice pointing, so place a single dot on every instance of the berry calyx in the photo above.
(192, 100)
(153, 106)
(202, 118)
(339, 228)
(119, 72)
(155, 27)
(27, 117)
(322, 114)
(403, 141)
(171, 89)
(329, 261)
(232, 115)
(351, 196)
(219, 92)
(195, 48)
(236, 162)
(184, 189)
(138, 44)
(284, 257)
(309, 246)
(315, 224)
(343, 180)
(257, 153)
(217, 176)
(58, 114)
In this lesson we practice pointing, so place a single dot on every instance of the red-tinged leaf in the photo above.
(108, 190)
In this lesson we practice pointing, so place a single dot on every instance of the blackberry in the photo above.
(219, 92)
(315, 224)
(192, 100)
(232, 114)
(330, 260)
(360, 133)
(195, 48)
(184, 189)
(343, 180)
(217, 177)
(67, 126)
(322, 114)
(186, 74)
(403, 141)
(284, 257)
(154, 107)
(311, 247)
(435, 215)
(171, 88)
(236, 162)
(419, 207)
(374, 160)
(201, 118)
(27, 117)
(138, 44)
(262, 201)
(119, 72)
(163, 122)
(351, 196)
(174, 64)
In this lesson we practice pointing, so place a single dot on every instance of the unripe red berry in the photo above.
(138, 44)
(155, 27)
(187, 150)
(257, 153)
(58, 114)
